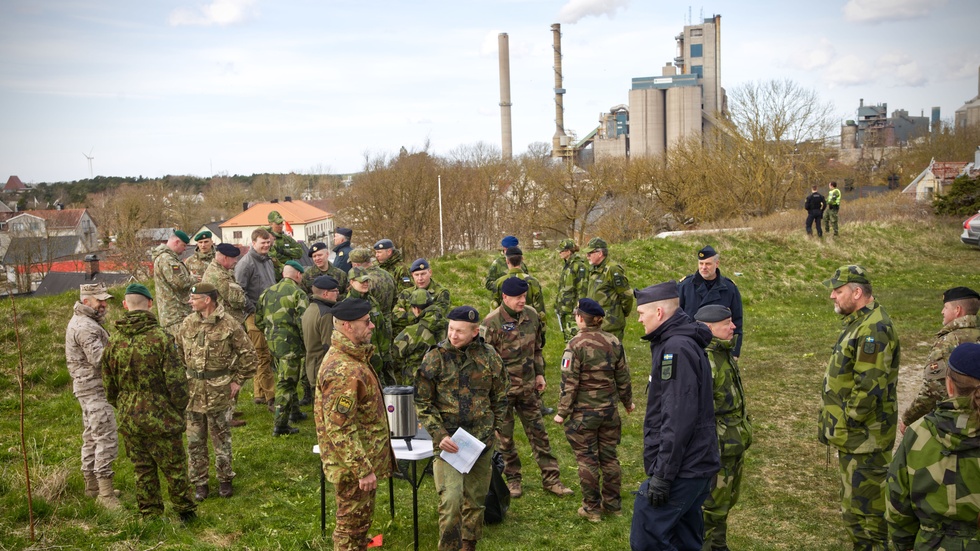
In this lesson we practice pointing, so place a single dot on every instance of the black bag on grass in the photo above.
(498, 498)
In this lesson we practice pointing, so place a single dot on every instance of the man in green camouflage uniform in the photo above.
(514, 259)
(516, 333)
(594, 376)
(322, 266)
(284, 247)
(318, 324)
(392, 261)
(461, 384)
(360, 287)
(960, 306)
(202, 257)
(499, 265)
(573, 284)
(934, 480)
(609, 287)
(173, 281)
(411, 344)
(860, 404)
(383, 287)
(219, 358)
(421, 271)
(279, 314)
(144, 380)
(351, 424)
(831, 216)
(732, 423)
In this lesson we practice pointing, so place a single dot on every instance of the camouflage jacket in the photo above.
(573, 284)
(173, 283)
(381, 337)
(317, 329)
(313, 272)
(594, 375)
(230, 294)
(733, 424)
(395, 266)
(144, 377)
(609, 287)
(461, 388)
(384, 289)
(517, 337)
(216, 352)
(198, 262)
(85, 339)
(411, 344)
(934, 481)
(535, 296)
(860, 402)
(279, 315)
(933, 389)
(284, 248)
(497, 269)
(402, 315)
(351, 423)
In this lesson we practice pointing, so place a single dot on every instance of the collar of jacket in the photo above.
(361, 352)
(860, 313)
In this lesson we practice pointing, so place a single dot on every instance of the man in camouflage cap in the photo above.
(708, 286)
(392, 261)
(318, 325)
(219, 358)
(202, 257)
(499, 265)
(421, 272)
(609, 287)
(320, 254)
(461, 383)
(85, 340)
(573, 284)
(411, 344)
(172, 280)
(733, 427)
(960, 307)
(860, 404)
(360, 287)
(383, 287)
(284, 247)
(145, 381)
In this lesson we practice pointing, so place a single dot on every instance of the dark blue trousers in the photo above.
(678, 525)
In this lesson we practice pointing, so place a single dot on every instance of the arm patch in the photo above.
(667, 367)
(344, 405)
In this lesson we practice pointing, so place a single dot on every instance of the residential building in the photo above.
(308, 223)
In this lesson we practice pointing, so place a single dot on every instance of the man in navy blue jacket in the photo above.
(680, 449)
(707, 286)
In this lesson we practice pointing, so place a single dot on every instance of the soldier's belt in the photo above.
(953, 528)
(204, 375)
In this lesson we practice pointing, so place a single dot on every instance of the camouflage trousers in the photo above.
(461, 498)
(724, 495)
(100, 445)
(528, 407)
(830, 217)
(166, 453)
(199, 427)
(863, 498)
(264, 383)
(287, 399)
(569, 329)
(593, 437)
(355, 507)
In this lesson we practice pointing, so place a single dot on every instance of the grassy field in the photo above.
(790, 492)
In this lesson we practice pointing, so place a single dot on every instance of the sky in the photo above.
(203, 88)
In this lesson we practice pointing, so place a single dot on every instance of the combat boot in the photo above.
(469, 545)
(286, 429)
(225, 489)
(201, 492)
(558, 489)
(107, 495)
(91, 485)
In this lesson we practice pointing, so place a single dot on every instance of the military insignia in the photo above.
(340, 253)
(566, 362)
(510, 326)
(869, 345)
(176, 267)
(667, 367)
(344, 405)
(406, 280)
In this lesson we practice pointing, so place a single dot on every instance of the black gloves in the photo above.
(658, 491)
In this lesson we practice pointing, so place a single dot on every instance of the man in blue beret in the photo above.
(342, 248)
(421, 271)
(392, 261)
(708, 286)
(498, 268)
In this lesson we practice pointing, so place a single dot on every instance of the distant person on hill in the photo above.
(814, 206)
(833, 208)
(708, 286)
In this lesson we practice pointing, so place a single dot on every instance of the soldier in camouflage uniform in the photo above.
(85, 339)
(221, 274)
(360, 287)
(860, 404)
(411, 345)
(383, 287)
(392, 261)
(594, 376)
(960, 306)
(609, 287)
(515, 332)
(732, 423)
(284, 247)
(351, 423)
(421, 271)
(279, 315)
(499, 265)
(934, 480)
(573, 284)
(318, 324)
(322, 266)
(173, 281)
(514, 258)
(202, 257)
(219, 358)
(144, 380)
(461, 384)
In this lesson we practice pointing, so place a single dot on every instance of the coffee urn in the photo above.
(402, 419)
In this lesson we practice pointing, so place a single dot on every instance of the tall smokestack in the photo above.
(559, 141)
(506, 135)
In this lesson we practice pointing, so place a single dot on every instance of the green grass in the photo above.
(790, 493)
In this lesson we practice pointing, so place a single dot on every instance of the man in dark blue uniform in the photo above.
(680, 449)
(707, 286)
(342, 248)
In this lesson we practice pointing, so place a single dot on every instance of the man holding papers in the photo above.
(461, 385)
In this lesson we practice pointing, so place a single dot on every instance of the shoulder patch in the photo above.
(869, 345)
(340, 253)
(667, 367)
(344, 405)
(176, 267)
(566, 361)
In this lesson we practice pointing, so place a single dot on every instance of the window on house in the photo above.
(237, 235)
(696, 32)
(697, 70)
(697, 50)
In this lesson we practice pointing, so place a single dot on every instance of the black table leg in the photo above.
(391, 496)
(323, 503)
(415, 506)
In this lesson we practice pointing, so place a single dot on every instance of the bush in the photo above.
(963, 198)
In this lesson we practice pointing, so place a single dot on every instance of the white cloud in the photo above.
(848, 70)
(877, 11)
(218, 12)
(902, 69)
(815, 56)
(575, 10)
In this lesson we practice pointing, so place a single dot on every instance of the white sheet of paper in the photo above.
(470, 449)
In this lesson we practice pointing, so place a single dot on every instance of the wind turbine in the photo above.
(89, 157)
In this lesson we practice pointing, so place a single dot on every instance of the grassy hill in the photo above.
(790, 498)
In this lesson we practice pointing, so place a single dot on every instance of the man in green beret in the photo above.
(198, 262)
(284, 247)
(609, 287)
(173, 281)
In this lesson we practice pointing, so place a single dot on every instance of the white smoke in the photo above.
(576, 10)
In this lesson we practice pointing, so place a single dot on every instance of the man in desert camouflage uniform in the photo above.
(609, 287)
(860, 404)
(421, 272)
(322, 266)
(284, 247)
(198, 262)
(573, 284)
(594, 377)
(428, 330)
(351, 423)
(279, 315)
(391, 260)
(461, 384)
(145, 381)
(173, 281)
(733, 426)
(221, 274)
(318, 324)
(499, 265)
(516, 332)
(85, 339)
(219, 357)
(960, 306)
(361, 286)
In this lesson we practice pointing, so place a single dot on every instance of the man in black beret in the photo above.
(392, 261)
(708, 286)
(317, 325)
(320, 254)
(960, 307)
(680, 449)
(342, 248)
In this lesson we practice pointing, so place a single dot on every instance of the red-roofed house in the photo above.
(15, 185)
(935, 179)
(308, 222)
